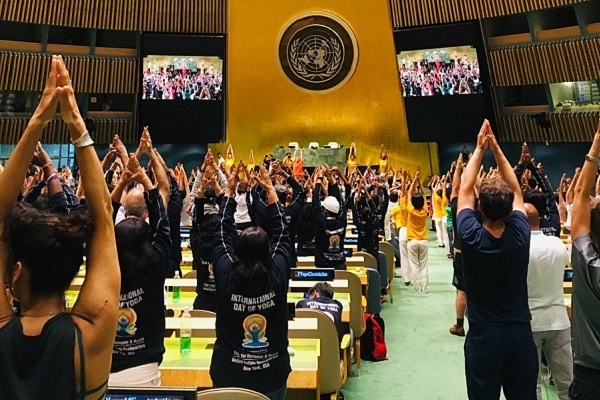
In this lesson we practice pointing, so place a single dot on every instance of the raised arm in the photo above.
(466, 195)
(506, 171)
(581, 212)
(96, 308)
(11, 180)
(457, 177)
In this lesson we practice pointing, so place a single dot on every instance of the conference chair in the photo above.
(313, 145)
(294, 145)
(230, 393)
(332, 368)
(373, 291)
(193, 274)
(333, 145)
(357, 307)
(208, 332)
(388, 249)
(369, 260)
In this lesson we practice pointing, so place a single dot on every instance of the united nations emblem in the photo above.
(318, 52)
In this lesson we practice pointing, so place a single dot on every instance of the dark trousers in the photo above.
(586, 383)
(501, 356)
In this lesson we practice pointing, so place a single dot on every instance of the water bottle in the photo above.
(176, 288)
(185, 336)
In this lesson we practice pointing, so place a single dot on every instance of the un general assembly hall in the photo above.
(267, 174)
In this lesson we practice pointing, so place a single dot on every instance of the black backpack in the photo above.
(372, 341)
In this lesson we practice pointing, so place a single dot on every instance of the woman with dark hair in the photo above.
(251, 276)
(45, 352)
(144, 259)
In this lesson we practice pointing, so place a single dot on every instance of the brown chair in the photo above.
(357, 307)
(209, 331)
(369, 260)
(191, 275)
(388, 250)
(230, 393)
(332, 367)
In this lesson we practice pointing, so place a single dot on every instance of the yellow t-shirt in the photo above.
(403, 211)
(383, 166)
(416, 229)
(352, 164)
(229, 163)
(439, 205)
(395, 215)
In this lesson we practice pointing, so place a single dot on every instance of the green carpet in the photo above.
(424, 361)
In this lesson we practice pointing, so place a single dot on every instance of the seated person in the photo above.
(320, 298)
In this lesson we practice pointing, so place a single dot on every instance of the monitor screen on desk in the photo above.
(568, 276)
(152, 393)
(348, 252)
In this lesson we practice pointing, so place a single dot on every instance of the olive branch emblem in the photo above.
(299, 67)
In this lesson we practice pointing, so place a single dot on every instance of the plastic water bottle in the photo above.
(185, 335)
(176, 288)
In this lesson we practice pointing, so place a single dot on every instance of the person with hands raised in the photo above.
(330, 220)
(499, 349)
(143, 249)
(251, 277)
(416, 234)
(585, 261)
(46, 352)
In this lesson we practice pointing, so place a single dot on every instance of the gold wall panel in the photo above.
(266, 109)
(547, 62)
(407, 13)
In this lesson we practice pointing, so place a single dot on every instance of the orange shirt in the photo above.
(298, 166)
(416, 229)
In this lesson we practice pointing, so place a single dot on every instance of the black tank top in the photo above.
(41, 367)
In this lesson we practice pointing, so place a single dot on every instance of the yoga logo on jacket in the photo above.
(334, 244)
(126, 322)
(255, 326)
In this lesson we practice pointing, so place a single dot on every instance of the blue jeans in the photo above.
(278, 394)
(586, 383)
(501, 356)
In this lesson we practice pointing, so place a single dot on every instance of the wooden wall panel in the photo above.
(56, 131)
(407, 13)
(564, 127)
(538, 63)
(205, 16)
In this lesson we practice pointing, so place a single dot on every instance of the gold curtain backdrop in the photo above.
(266, 109)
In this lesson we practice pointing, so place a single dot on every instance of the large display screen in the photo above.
(445, 71)
(182, 78)
(183, 87)
(444, 80)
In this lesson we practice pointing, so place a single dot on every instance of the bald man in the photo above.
(135, 204)
(549, 321)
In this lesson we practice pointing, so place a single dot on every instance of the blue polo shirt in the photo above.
(495, 269)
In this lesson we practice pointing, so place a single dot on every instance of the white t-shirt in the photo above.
(241, 215)
(547, 260)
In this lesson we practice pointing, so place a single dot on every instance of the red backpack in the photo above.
(372, 341)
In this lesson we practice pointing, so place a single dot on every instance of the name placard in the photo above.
(350, 240)
(313, 274)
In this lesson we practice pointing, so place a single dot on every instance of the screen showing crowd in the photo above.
(440, 72)
(182, 78)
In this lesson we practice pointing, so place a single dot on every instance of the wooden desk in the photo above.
(192, 369)
(568, 287)
(208, 323)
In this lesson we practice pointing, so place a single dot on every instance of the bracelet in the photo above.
(83, 140)
(51, 178)
(48, 164)
(591, 158)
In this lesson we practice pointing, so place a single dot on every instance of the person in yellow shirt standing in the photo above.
(417, 236)
(439, 202)
(399, 215)
(383, 161)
